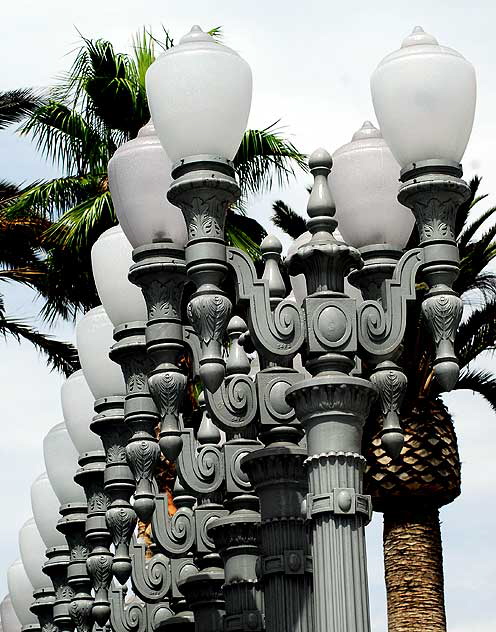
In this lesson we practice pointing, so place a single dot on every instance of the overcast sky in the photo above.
(311, 65)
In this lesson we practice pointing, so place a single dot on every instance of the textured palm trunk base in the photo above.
(413, 562)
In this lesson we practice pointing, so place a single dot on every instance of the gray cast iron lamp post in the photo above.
(192, 116)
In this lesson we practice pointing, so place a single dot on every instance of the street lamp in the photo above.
(8, 616)
(61, 462)
(20, 598)
(45, 506)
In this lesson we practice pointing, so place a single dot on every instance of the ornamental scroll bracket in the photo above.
(277, 334)
(173, 534)
(200, 469)
(381, 327)
(151, 579)
(126, 617)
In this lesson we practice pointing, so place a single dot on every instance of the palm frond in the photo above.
(67, 286)
(482, 290)
(288, 220)
(51, 198)
(144, 53)
(477, 333)
(464, 209)
(81, 225)
(65, 137)
(478, 255)
(61, 356)
(8, 190)
(112, 88)
(244, 233)
(480, 381)
(28, 276)
(264, 155)
(470, 230)
(15, 105)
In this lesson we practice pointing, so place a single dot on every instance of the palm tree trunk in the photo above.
(413, 561)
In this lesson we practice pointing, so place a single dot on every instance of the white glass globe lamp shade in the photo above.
(9, 619)
(199, 94)
(77, 406)
(61, 462)
(364, 181)
(111, 258)
(424, 98)
(45, 506)
(21, 592)
(139, 177)
(94, 339)
(298, 282)
(32, 549)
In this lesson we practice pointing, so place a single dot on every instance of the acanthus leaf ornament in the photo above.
(442, 311)
(391, 383)
(167, 388)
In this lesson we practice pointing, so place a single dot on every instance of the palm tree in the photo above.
(427, 475)
(19, 258)
(100, 104)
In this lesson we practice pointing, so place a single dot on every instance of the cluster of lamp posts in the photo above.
(268, 527)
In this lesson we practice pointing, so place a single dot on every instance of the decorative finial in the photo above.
(208, 433)
(321, 208)
(368, 130)
(271, 249)
(237, 360)
(418, 37)
(147, 130)
(196, 34)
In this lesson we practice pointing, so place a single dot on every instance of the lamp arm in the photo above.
(233, 406)
(202, 470)
(277, 334)
(174, 534)
(381, 327)
(126, 617)
(151, 579)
